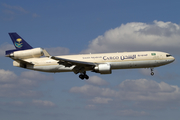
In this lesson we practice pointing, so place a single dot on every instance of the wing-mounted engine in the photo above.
(30, 53)
(103, 69)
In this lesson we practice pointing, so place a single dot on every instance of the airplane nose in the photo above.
(173, 59)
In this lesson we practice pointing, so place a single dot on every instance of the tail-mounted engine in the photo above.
(30, 53)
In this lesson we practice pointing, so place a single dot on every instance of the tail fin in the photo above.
(19, 43)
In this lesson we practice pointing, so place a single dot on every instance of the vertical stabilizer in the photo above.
(19, 43)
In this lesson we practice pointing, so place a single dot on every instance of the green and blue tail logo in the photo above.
(18, 43)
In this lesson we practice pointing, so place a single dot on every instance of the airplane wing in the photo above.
(80, 66)
(69, 63)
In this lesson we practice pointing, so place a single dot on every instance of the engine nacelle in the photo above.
(31, 53)
(103, 69)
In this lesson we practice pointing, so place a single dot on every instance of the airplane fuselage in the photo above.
(124, 60)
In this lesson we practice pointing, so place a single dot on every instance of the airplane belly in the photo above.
(114, 65)
(52, 68)
(138, 64)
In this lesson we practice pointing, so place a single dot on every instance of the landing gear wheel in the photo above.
(81, 77)
(86, 77)
(152, 73)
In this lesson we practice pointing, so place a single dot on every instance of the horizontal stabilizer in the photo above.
(8, 52)
(23, 61)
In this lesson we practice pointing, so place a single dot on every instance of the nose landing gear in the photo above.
(152, 73)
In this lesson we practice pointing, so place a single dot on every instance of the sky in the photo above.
(91, 26)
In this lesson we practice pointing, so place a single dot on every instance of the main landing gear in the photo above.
(83, 75)
(152, 73)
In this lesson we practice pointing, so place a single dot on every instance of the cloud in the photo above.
(143, 85)
(137, 36)
(11, 11)
(94, 91)
(141, 93)
(43, 104)
(95, 80)
(90, 107)
(34, 15)
(7, 76)
(13, 104)
(12, 85)
(15, 8)
(87, 90)
(33, 103)
(101, 100)
(34, 75)
(131, 113)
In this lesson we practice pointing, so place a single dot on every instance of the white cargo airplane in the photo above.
(31, 58)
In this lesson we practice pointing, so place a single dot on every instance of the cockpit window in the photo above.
(168, 55)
